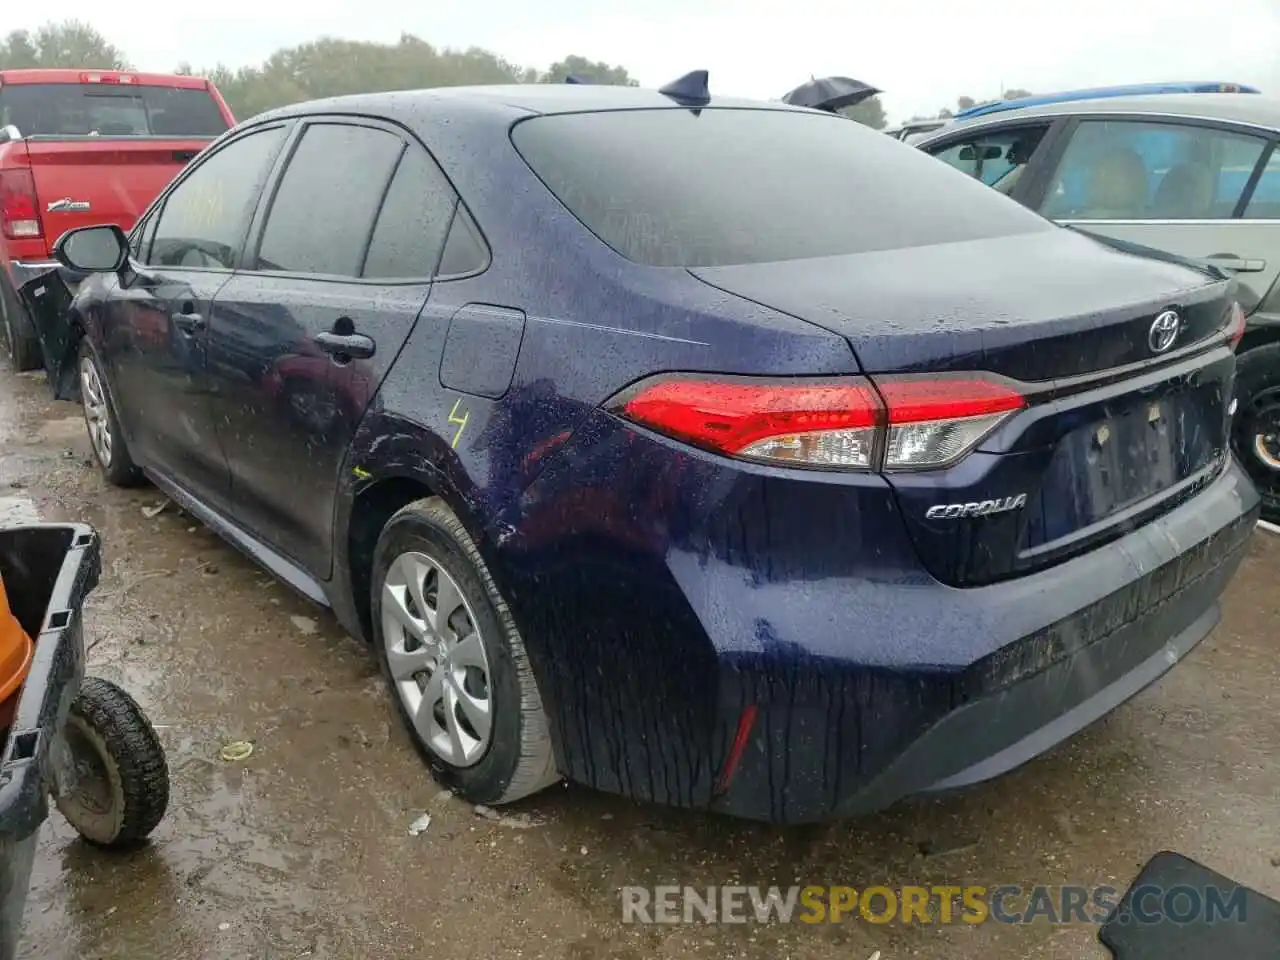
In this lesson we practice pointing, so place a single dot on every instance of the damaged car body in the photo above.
(660, 478)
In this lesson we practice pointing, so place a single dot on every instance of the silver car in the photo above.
(1196, 175)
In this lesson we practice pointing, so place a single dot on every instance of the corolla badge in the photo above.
(1164, 331)
(978, 508)
(67, 205)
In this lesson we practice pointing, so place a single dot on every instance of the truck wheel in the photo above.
(105, 435)
(1255, 434)
(456, 664)
(120, 788)
(20, 343)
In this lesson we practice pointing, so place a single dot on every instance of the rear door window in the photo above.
(206, 217)
(324, 209)
(109, 110)
(413, 221)
(697, 188)
(1131, 170)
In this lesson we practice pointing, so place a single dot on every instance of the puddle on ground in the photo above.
(17, 509)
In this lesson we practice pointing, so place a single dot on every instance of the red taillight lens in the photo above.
(1235, 324)
(910, 423)
(19, 213)
(808, 423)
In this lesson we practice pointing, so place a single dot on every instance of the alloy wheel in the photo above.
(437, 659)
(97, 415)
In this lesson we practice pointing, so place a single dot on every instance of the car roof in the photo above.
(1099, 93)
(1251, 109)
(514, 100)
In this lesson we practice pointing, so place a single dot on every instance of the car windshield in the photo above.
(713, 187)
(69, 109)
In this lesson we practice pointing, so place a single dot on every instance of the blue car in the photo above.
(718, 453)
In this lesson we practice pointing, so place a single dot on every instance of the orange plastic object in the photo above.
(15, 659)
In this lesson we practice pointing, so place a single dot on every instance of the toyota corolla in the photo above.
(718, 453)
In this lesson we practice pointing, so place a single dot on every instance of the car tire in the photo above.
(441, 676)
(1255, 431)
(120, 789)
(19, 342)
(102, 424)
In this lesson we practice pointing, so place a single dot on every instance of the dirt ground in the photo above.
(304, 849)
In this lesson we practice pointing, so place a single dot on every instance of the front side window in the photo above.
(324, 208)
(205, 219)
(1130, 170)
(997, 158)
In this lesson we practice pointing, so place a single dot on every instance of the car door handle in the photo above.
(352, 345)
(1229, 261)
(188, 322)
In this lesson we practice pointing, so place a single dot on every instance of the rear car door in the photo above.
(340, 266)
(154, 336)
(1197, 189)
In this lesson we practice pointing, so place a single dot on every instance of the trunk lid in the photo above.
(1115, 432)
(94, 180)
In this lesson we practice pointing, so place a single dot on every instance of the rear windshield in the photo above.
(725, 186)
(69, 109)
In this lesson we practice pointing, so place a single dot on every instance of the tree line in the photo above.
(322, 68)
(331, 67)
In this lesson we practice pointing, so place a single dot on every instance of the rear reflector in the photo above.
(903, 423)
(1235, 324)
(19, 210)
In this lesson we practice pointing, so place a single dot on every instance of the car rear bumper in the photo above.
(680, 610)
(1003, 709)
(24, 271)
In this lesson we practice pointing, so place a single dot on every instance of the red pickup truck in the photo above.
(82, 147)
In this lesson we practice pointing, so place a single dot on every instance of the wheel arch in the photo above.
(374, 500)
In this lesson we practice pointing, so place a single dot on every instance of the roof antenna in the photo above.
(574, 78)
(691, 88)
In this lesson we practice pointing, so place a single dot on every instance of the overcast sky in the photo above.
(923, 53)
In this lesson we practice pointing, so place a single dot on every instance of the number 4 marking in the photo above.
(461, 421)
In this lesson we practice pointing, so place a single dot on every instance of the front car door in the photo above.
(154, 335)
(339, 268)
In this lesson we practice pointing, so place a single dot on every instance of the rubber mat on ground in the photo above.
(1178, 909)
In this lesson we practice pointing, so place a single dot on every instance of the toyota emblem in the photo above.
(1164, 331)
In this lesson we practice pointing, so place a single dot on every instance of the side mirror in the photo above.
(103, 249)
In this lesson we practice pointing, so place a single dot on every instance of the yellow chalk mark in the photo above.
(460, 421)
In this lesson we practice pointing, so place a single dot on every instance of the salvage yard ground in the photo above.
(304, 849)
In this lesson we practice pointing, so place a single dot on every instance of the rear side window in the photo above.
(71, 110)
(412, 224)
(676, 187)
(205, 219)
(324, 208)
(1130, 170)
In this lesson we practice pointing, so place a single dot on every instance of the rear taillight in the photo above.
(933, 423)
(19, 211)
(1235, 324)
(898, 423)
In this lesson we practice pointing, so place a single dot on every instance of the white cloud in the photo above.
(923, 53)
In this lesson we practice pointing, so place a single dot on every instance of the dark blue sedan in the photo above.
(718, 453)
